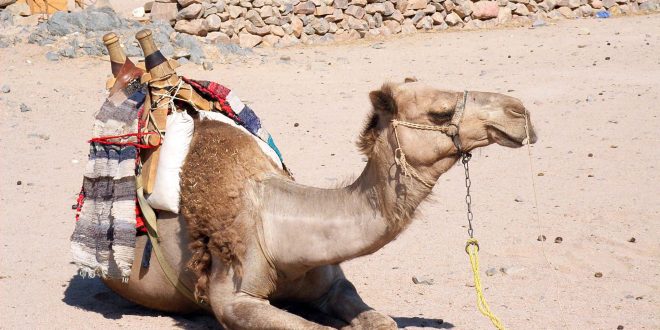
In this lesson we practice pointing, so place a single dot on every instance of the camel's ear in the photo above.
(383, 101)
(410, 79)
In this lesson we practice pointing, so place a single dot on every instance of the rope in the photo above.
(472, 249)
(400, 156)
(106, 140)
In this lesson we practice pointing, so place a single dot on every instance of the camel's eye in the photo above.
(440, 117)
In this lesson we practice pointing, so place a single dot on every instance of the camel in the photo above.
(248, 236)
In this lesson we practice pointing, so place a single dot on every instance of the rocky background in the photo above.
(194, 30)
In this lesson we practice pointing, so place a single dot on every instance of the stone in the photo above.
(609, 3)
(277, 31)
(485, 10)
(360, 3)
(389, 8)
(373, 8)
(236, 11)
(355, 11)
(357, 24)
(208, 9)
(162, 11)
(615, 10)
(324, 11)
(511, 270)
(68, 51)
(255, 18)
(268, 11)
(586, 11)
(597, 4)
(19, 9)
(304, 8)
(138, 12)
(258, 30)
(474, 24)
(408, 28)
(191, 12)
(207, 65)
(218, 38)
(422, 280)
(5, 3)
(336, 16)
(5, 89)
(504, 15)
(23, 106)
(320, 26)
(247, 40)
(221, 5)
(437, 18)
(426, 23)
(341, 4)
(416, 4)
(181, 53)
(269, 40)
(147, 6)
(418, 17)
(186, 3)
(51, 57)
(214, 22)
(429, 10)
(198, 27)
(491, 271)
(397, 16)
(297, 26)
(566, 12)
(393, 26)
(521, 10)
(574, 3)
(464, 8)
(287, 41)
(453, 19)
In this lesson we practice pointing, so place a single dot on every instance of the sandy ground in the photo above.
(591, 86)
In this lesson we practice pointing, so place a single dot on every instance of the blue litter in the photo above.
(603, 14)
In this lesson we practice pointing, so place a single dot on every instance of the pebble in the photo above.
(285, 58)
(540, 174)
(75, 161)
(632, 240)
(598, 275)
(25, 108)
(52, 57)
(620, 327)
(296, 124)
(518, 199)
(6, 89)
(590, 155)
(207, 65)
(512, 270)
(541, 238)
(607, 58)
(421, 280)
(19, 182)
(558, 239)
(378, 45)
(491, 271)
(538, 23)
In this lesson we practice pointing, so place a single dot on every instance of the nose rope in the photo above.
(450, 130)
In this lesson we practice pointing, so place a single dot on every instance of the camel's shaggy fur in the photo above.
(211, 203)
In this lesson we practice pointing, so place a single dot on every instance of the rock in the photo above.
(186, 3)
(58, 25)
(418, 17)
(218, 38)
(260, 31)
(422, 280)
(597, 4)
(426, 23)
(68, 51)
(207, 65)
(5, 89)
(247, 40)
(297, 26)
(437, 19)
(375, 8)
(287, 41)
(598, 274)
(138, 12)
(558, 239)
(148, 6)
(615, 10)
(631, 240)
(341, 4)
(491, 271)
(566, 12)
(521, 10)
(464, 8)
(417, 4)
(236, 11)
(191, 12)
(198, 27)
(277, 31)
(324, 11)
(541, 238)
(393, 26)
(304, 8)
(214, 22)
(5, 3)
(408, 28)
(397, 16)
(51, 57)
(19, 9)
(269, 40)
(358, 25)
(355, 11)
(190, 43)
(255, 18)
(485, 10)
(181, 53)
(320, 26)
(24, 107)
(453, 19)
(162, 11)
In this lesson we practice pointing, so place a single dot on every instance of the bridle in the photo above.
(450, 129)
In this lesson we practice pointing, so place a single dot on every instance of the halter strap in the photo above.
(450, 129)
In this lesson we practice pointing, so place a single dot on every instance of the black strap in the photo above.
(153, 60)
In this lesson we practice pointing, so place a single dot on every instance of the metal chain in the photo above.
(465, 159)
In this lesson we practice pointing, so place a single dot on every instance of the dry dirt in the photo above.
(592, 87)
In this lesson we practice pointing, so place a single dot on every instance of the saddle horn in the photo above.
(117, 56)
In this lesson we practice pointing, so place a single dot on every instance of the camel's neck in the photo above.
(309, 227)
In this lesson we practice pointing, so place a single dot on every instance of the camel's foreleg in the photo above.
(245, 312)
(344, 302)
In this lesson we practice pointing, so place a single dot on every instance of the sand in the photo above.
(590, 85)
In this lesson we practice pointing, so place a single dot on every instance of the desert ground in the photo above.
(591, 86)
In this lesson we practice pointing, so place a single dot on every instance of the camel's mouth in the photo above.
(511, 140)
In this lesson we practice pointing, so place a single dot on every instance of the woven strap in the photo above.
(152, 232)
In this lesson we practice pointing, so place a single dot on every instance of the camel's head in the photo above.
(487, 118)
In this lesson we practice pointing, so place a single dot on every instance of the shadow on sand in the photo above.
(92, 295)
(421, 322)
